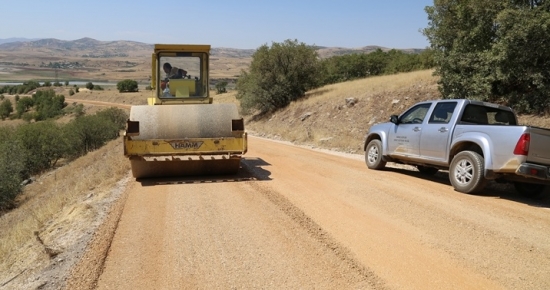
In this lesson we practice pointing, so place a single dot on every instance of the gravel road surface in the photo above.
(297, 218)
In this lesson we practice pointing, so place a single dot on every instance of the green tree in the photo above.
(6, 108)
(221, 87)
(492, 51)
(48, 104)
(43, 141)
(12, 167)
(88, 133)
(277, 76)
(127, 86)
(24, 105)
(89, 85)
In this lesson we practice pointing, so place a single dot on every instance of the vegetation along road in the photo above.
(298, 218)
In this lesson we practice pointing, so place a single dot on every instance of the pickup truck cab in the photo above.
(476, 141)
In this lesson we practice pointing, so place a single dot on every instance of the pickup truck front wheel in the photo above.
(466, 172)
(373, 155)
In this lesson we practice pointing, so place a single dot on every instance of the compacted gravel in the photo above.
(297, 218)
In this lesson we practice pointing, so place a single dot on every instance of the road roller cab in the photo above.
(181, 131)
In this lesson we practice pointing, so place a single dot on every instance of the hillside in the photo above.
(87, 59)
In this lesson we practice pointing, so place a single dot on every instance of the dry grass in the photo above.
(325, 119)
(56, 201)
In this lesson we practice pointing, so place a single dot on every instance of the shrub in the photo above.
(48, 105)
(43, 141)
(278, 75)
(24, 105)
(127, 86)
(12, 166)
(6, 108)
(221, 87)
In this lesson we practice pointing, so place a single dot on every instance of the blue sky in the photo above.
(233, 24)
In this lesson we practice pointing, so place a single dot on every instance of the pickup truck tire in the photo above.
(427, 170)
(529, 189)
(373, 155)
(466, 172)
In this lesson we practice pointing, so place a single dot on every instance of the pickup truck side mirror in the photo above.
(394, 119)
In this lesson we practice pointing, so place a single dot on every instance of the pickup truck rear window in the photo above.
(481, 115)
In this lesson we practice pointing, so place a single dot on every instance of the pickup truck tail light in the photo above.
(522, 147)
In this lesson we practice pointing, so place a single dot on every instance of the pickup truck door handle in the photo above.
(416, 129)
(443, 130)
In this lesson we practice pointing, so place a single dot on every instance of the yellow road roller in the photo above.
(181, 132)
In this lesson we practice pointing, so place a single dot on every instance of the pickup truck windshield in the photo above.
(482, 115)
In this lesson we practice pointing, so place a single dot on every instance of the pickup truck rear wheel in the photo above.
(529, 189)
(466, 172)
(373, 155)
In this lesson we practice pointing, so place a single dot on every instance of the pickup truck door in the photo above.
(434, 141)
(404, 137)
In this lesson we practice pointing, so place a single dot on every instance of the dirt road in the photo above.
(297, 218)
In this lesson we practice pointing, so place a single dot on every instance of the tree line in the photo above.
(32, 148)
(283, 72)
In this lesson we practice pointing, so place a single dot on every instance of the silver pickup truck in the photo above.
(475, 141)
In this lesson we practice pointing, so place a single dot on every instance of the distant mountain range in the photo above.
(92, 47)
(15, 39)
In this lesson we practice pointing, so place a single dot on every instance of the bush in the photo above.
(221, 87)
(89, 86)
(127, 86)
(71, 92)
(88, 133)
(278, 75)
(48, 105)
(24, 105)
(6, 108)
(12, 167)
(44, 143)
